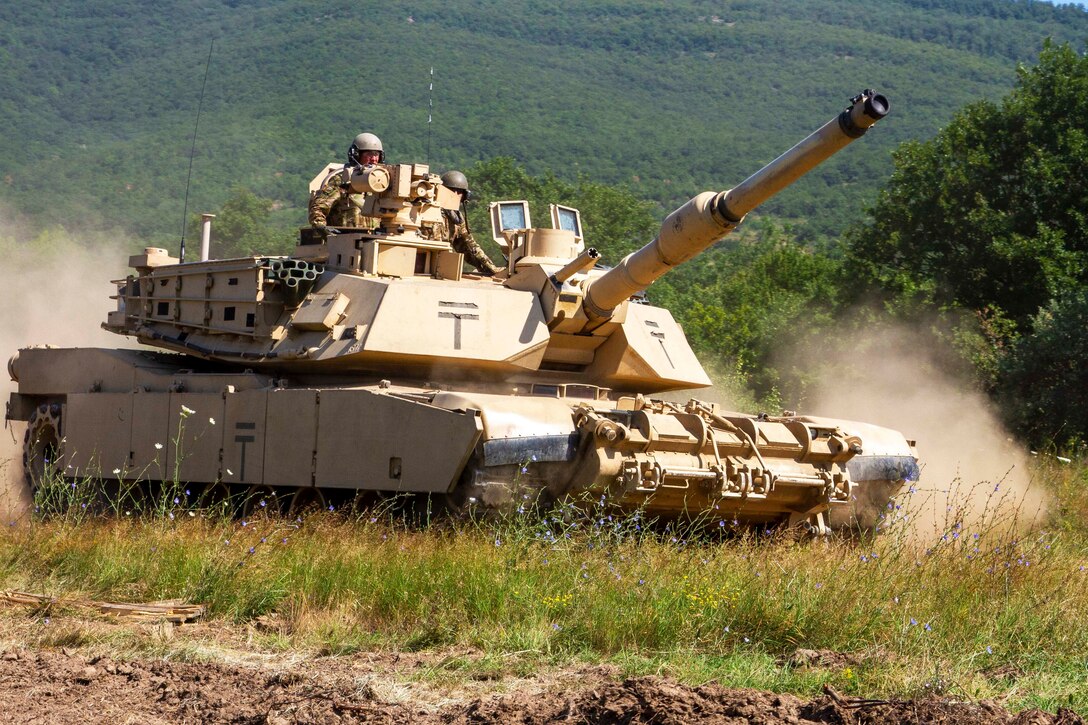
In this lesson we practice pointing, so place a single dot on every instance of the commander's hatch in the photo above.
(512, 230)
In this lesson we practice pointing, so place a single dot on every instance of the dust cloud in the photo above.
(55, 290)
(973, 472)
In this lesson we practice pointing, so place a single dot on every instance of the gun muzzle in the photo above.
(585, 260)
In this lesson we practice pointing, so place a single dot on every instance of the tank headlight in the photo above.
(11, 367)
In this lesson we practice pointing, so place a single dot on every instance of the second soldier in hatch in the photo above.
(457, 232)
(332, 205)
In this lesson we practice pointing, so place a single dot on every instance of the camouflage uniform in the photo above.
(460, 238)
(332, 206)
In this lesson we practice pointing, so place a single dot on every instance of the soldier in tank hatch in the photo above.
(457, 232)
(332, 205)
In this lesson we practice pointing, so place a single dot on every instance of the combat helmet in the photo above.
(365, 142)
(458, 182)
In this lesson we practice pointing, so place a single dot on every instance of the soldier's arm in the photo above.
(464, 243)
(322, 202)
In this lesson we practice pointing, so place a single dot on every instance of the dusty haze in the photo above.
(971, 466)
(55, 291)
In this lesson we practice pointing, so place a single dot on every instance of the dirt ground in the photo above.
(205, 673)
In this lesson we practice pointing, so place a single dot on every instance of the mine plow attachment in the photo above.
(683, 461)
(692, 461)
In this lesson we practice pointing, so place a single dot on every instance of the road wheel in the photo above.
(306, 498)
(215, 498)
(42, 450)
(262, 499)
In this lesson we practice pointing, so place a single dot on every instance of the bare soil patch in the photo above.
(55, 685)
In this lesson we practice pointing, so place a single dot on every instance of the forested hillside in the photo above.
(99, 100)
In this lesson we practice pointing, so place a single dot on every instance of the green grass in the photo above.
(976, 610)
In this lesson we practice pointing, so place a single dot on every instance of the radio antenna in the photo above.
(430, 111)
(192, 152)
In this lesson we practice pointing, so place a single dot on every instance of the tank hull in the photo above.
(132, 416)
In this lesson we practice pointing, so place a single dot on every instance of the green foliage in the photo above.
(670, 100)
(243, 227)
(984, 229)
(614, 220)
(989, 215)
(1045, 374)
(744, 299)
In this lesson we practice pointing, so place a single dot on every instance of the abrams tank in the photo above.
(368, 361)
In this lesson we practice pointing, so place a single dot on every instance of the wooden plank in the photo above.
(173, 610)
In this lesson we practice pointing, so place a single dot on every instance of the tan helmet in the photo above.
(365, 142)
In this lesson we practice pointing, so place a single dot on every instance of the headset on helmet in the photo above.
(365, 142)
(458, 182)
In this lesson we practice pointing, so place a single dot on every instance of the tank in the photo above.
(368, 361)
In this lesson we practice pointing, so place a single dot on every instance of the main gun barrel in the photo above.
(710, 216)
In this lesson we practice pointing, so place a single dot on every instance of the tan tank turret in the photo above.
(368, 360)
